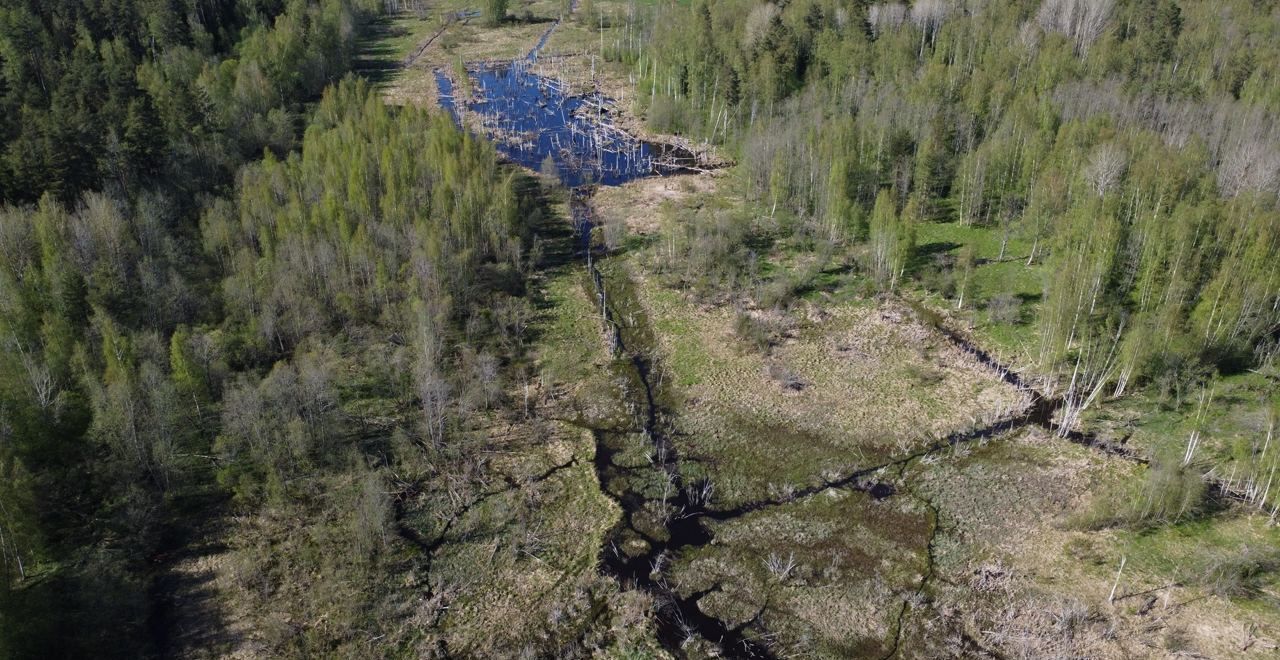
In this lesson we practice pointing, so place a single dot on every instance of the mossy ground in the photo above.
(854, 560)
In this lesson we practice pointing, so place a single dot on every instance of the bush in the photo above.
(1005, 308)
(784, 376)
(1172, 492)
(752, 331)
(1236, 575)
(777, 293)
(923, 375)
(1085, 551)
(667, 115)
(495, 12)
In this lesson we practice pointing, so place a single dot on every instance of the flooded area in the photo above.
(531, 118)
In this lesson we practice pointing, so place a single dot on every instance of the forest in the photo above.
(1130, 144)
(1150, 190)
(206, 220)
(268, 311)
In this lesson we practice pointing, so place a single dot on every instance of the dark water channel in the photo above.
(530, 118)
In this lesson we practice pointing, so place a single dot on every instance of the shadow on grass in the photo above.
(376, 58)
(924, 254)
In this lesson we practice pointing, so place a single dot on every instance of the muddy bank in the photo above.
(662, 516)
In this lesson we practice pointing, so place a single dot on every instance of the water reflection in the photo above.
(529, 117)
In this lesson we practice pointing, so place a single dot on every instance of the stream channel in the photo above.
(530, 118)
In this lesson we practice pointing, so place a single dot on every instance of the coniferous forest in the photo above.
(944, 328)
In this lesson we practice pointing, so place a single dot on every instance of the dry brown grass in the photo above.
(872, 384)
(637, 205)
(1020, 581)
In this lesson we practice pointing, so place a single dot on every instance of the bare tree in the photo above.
(18, 247)
(9, 542)
(758, 23)
(780, 567)
(886, 17)
(1029, 35)
(432, 388)
(371, 514)
(928, 15)
(1252, 165)
(1083, 21)
(46, 390)
(1106, 167)
(1094, 366)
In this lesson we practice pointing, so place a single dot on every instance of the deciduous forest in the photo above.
(945, 328)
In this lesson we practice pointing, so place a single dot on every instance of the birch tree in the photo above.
(1082, 21)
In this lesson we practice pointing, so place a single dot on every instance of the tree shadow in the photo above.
(187, 613)
(827, 280)
(925, 253)
(376, 58)
(527, 18)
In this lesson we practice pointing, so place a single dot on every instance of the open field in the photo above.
(848, 386)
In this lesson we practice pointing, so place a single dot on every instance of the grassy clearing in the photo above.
(850, 385)
(1231, 557)
(1023, 581)
(1009, 332)
(571, 349)
(396, 38)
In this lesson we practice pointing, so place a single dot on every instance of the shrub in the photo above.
(1173, 492)
(752, 331)
(1234, 575)
(667, 115)
(495, 12)
(1170, 493)
(1005, 308)
(785, 377)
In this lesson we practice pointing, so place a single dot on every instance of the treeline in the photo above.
(212, 278)
(1131, 144)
